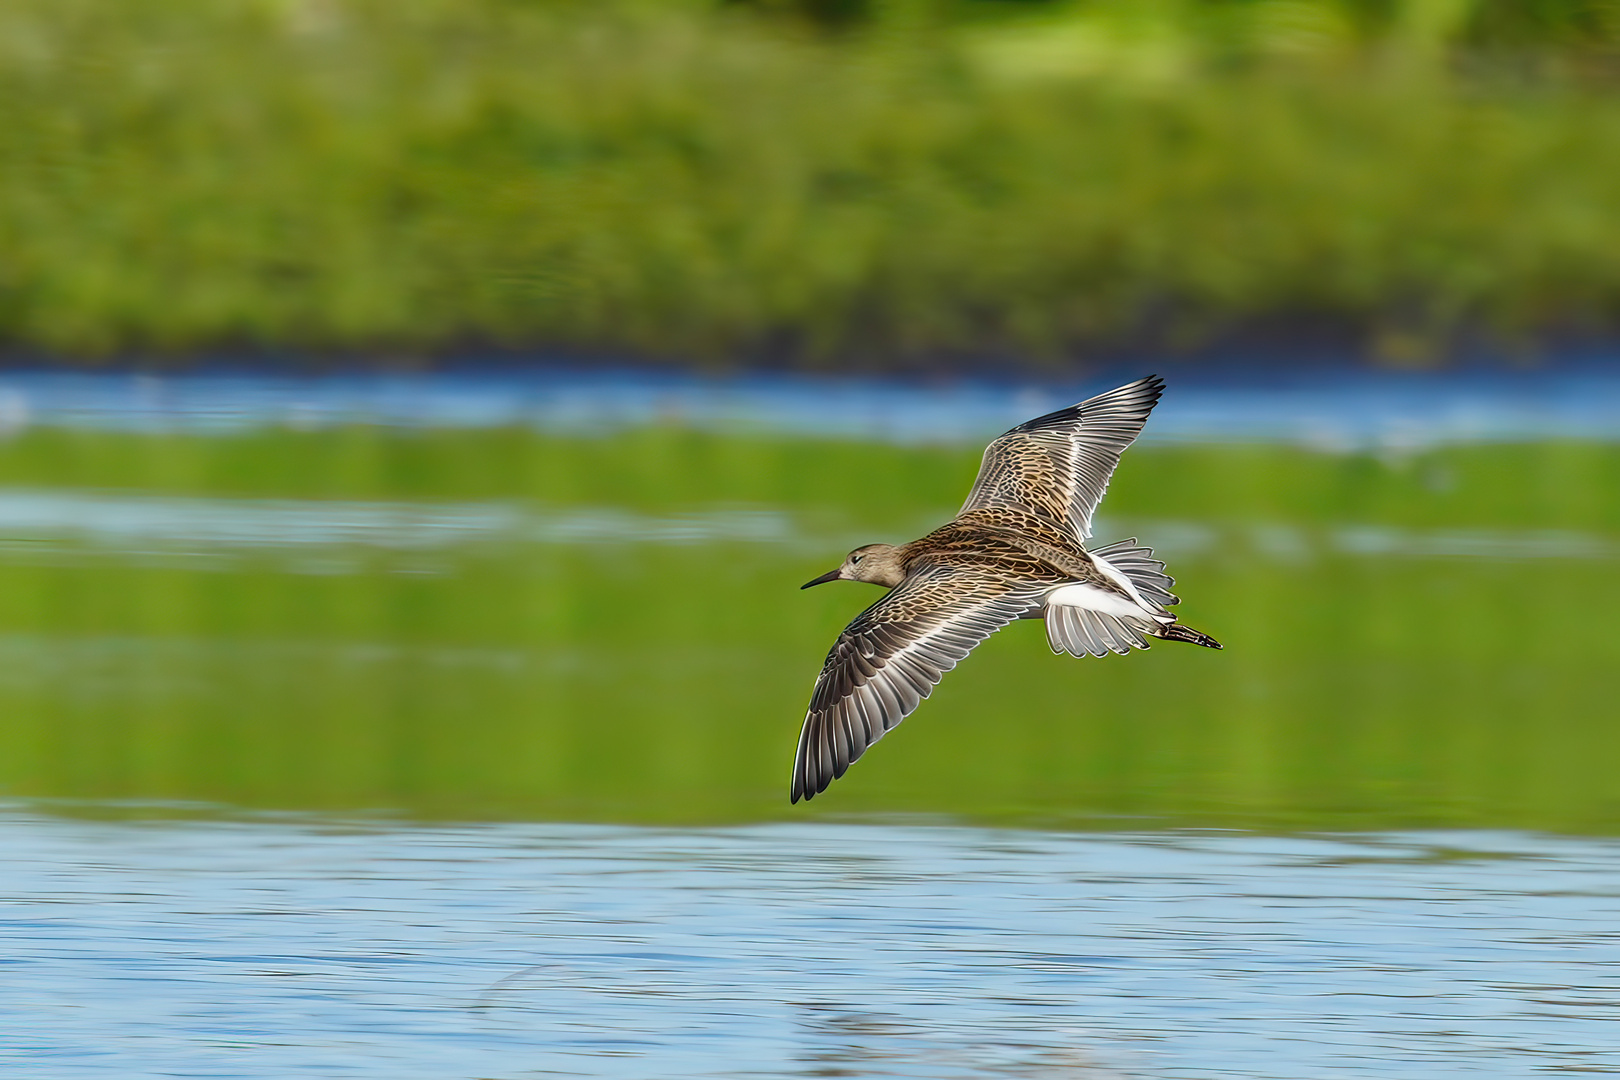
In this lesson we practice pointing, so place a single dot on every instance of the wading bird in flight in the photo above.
(1015, 551)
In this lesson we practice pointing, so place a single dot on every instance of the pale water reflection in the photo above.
(136, 526)
(293, 946)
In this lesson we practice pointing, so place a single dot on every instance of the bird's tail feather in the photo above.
(1178, 632)
(1146, 573)
(1083, 632)
(1079, 631)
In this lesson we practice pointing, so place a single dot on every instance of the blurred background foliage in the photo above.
(806, 181)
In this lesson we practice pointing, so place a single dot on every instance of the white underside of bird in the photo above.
(1091, 597)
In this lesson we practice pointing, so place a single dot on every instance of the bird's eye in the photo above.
(853, 559)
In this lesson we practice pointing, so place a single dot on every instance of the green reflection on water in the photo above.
(508, 625)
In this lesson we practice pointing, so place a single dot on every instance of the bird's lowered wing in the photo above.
(891, 656)
(1057, 466)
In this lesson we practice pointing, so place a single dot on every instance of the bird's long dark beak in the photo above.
(831, 575)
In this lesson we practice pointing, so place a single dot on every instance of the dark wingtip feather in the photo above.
(1149, 386)
(1154, 387)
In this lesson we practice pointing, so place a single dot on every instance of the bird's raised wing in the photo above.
(1057, 466)
(891, 656)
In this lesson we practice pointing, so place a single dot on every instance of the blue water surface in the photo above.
(282, 947)
(1329, 408)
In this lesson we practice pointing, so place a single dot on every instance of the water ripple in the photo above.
(302, 948)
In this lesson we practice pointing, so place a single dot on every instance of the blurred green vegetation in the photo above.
(1411, 641)
(821, 181)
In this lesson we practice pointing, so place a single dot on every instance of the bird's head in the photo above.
(876, 563)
